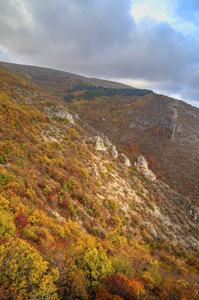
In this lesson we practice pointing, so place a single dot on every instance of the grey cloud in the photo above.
(100, 39)
(90, 26)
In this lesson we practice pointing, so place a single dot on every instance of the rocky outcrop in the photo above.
(192, 210)
(99, 144)
(95, 171)
(151, 229)
(125, 160)
(105, 145)
(113, 151)
(142, 166)
(63, 113)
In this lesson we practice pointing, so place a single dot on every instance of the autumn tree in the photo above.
(23, 273)
(86, 263)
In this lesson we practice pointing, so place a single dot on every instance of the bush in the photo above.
(3, 158)
(7, 225)
(21, 221)
(5, 177)
(71, 208)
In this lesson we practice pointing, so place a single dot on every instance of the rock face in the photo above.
(105, 145)
(113, 151)
(65, 115)
(142, 166)
(95, 172)
(99, 144)
(101, 141)
(151, 229)
(191, 209)
(126, 160)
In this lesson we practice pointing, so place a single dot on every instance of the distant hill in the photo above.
(44, 74)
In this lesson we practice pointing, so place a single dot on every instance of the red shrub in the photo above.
(21, 221)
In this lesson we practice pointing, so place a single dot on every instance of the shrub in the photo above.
(72, 183)
(7, 225)
(122, 286)
(3, 158)
(5, 177)
(47, 190)
(21, 221)
(71, 208)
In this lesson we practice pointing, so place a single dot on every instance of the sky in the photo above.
(147, 44)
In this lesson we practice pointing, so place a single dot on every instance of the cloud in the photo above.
(102, 39)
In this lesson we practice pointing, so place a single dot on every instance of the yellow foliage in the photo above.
(24, 272)
(91, 258)
(21, 208)
(7, 225)
(115, 238)
(4, 203)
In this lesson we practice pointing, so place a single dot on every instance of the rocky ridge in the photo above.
(163, 220)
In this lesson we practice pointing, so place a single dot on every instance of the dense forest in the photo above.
(89, 92)
(64, 233)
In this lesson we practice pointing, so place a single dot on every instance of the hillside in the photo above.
(63, 79)
(162, 129)
(78, 220)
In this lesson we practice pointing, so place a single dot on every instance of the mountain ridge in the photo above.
(35, 71)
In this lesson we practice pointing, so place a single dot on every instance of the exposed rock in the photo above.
(171, 123)
(99, 144)
(193, 242)
(65, 115)
(76, 116)
(151, 229)
(142, 166)
(191, 209)
(113, 151)
(111, 148)
(58, 216)
(102, 143)
(126, 160)
(132, 125)
(107, 142)
(95, 172)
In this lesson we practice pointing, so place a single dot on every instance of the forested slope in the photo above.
(78, 223)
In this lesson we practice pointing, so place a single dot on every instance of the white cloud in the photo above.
(171, 11)
(154, 9)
